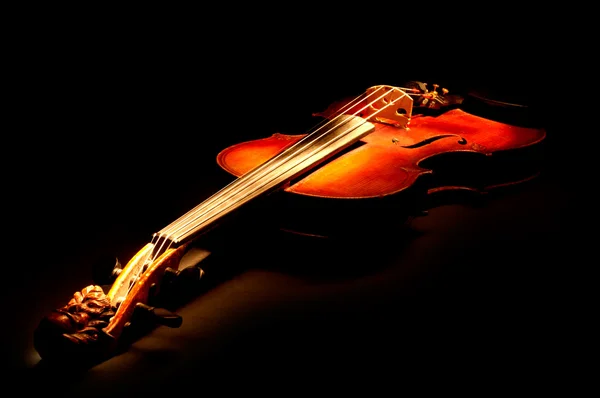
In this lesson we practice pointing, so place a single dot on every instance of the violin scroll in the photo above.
(94, 324)
(77, 330)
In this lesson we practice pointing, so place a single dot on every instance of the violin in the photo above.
(390, 150)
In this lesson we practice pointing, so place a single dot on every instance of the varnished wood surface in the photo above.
(388, 162)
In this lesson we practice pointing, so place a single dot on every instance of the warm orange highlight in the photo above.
(383, 166)
(141, 290)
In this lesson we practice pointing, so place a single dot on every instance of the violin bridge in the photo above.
(389, 105)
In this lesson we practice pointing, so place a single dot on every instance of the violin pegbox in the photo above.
(94, 324)
(389, 105)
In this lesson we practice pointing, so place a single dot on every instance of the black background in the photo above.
(115, 135)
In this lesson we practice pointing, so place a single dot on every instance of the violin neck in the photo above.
(318, 146)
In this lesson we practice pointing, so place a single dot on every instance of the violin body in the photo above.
(395, 169)
(368, 168)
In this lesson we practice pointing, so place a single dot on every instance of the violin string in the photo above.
(296, 149)
(248, 195)
(157, 250)
(156, 238)
(274, 169)
(167, 237)
(259, 168)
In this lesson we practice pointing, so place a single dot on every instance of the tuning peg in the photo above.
(105, 270)
(155, 316)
